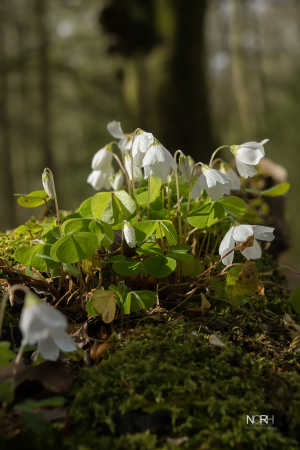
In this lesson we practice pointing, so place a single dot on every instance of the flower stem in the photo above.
(2, 311)
(215, 152)
(124, 171)
(178, 206)
(149, 198)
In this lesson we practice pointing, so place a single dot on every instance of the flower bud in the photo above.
(48, 183)
(129, 235)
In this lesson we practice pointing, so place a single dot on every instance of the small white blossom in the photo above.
(44, 325)
(141, 144)
(233, 177)
(99, 179)
(129, 235)
(215, 183)
(158, 162)
(115, 129)
(48, 183)
(185, 167)
(125, 141)
(132, 169)
(117, 181)
(240, 233)
(247, 156)
(102, 159)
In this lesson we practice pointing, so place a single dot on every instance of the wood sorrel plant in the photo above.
(174, 218)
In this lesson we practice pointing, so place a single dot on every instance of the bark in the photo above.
(45, 83)
(186, 120)
(8, 205)
(239, 71)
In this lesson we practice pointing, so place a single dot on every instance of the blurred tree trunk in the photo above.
(185, 110)
(23, 128)
(8, 209)
(239, 70)
(45, 82)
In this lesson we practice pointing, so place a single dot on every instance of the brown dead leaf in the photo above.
(97, 351)
(53, 376)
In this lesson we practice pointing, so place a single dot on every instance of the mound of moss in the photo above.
(166, 387)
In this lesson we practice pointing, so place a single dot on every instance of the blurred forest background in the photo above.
(195, 73)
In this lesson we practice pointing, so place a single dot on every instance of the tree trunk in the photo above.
(186, 121)
(239, 72)
(45, 83)
(7, 205)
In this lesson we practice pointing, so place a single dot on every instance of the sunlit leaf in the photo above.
(105, 304)
(72, 225)
(33, 200)
(99, 202)
(74, 247)
(234, 205)
(276, 191)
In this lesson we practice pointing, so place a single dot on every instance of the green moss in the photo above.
(166, 379)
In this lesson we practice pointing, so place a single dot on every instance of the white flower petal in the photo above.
(48, 349)
(63, 340)
(245, 170)
(234, 179)
(263, 233)
(226, 245)
(31, 325)
(249, 155)
(102, 159)
(99, 179)
(199, 187)
(132, 169)
(264, 141)
(141, 144)
(125, 144)
(253, 252)
(115, 129)
(242, 232)
(216, 192)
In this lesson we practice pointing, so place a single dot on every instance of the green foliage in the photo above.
(276, 191)
(6, 355)
(33, 200)
(241, 283)
(74, 247)
(295, 299)
(173, 383)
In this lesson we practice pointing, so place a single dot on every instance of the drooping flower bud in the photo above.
(129, 235)
(48, 183)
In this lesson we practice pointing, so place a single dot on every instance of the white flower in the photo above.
(141, 143)
(247, 156)
(125, 141)
(185, 167)
(241, 233)
(129, 235)
(125, 144)
(158, 162)
(233, 177)
(215, 183)
(117, 180)
(115, 129)
(44, 325)
(48, 183)
(102, 159)
(99, 179)
(132, 169)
